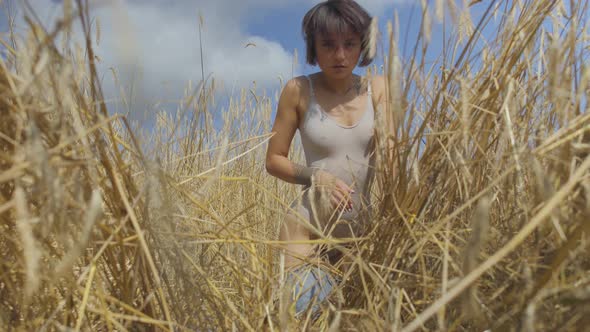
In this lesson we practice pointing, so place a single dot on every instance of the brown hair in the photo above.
(336, 16)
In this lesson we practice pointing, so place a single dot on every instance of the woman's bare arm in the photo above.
(378, 88)
(285, 125)
(380, 103)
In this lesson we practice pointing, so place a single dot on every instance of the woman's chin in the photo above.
(338, 73)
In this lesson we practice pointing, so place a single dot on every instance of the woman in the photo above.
(333, 110)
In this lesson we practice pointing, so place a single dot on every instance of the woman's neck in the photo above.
(339, 86)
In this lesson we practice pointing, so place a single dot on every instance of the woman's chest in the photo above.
(327, 136)
(344, 113)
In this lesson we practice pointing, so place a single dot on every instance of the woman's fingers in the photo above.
(338, 189)
(338, 204)
(334, 202)
(343, 187)
(340, 201)
(340, 197)
(345, 190)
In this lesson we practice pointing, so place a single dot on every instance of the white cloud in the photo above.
(157, 42)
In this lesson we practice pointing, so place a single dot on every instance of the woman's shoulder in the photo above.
(377, 82)
(297, 87)
(296, 93)
(297, 84)
(377, 85)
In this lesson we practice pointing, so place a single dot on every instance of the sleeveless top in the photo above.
(345, 152)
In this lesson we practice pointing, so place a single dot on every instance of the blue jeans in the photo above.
(311, 286)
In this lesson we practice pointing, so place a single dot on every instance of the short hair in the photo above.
(336, 16)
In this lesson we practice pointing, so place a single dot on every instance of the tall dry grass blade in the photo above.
(82, 309)
(480, 228)
(370, 41)
(32, 253)
(93, 212)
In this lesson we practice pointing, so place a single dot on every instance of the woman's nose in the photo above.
(340, 53)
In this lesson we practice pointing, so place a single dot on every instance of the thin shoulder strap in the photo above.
(310, 85)
(369, 88)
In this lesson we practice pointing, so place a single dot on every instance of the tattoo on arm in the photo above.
(303, 174)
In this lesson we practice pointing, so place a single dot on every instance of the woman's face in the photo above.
(337, 54)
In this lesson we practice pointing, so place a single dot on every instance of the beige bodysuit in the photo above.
(345, 152)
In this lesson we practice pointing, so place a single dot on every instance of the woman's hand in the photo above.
(338, 191)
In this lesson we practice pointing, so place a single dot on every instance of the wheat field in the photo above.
(482, 191)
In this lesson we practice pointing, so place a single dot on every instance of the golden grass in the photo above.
(482, 193)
